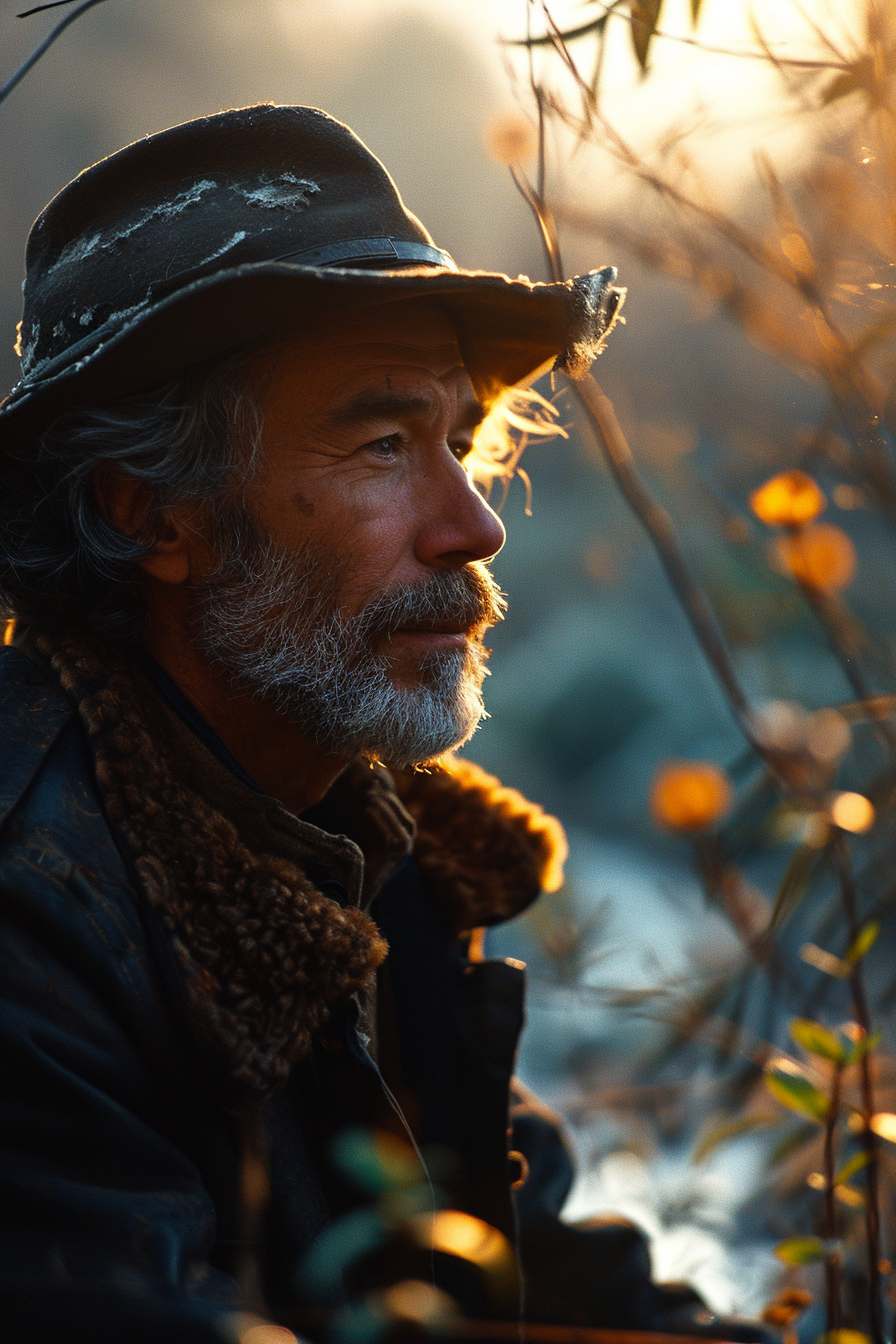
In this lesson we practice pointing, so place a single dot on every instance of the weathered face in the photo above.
(352, 593)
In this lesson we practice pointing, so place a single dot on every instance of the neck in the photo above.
(284, 761)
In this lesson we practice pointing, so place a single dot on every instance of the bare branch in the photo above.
(658, 525)
(743, 53)
(48, 41)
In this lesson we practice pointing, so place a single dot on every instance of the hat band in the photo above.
(333, 254)
(369, 249)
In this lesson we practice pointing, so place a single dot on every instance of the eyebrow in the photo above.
(385, 405)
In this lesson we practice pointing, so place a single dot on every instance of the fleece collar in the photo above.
(266, 954)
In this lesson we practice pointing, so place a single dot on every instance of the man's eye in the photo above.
(385, 447)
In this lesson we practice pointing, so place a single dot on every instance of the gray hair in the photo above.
(63, 563)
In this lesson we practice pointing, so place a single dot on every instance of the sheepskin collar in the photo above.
(265, 954)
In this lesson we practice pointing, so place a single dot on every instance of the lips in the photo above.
(442, 628)
(427, 636)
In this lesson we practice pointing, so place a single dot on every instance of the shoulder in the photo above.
(485, 850)
(34, 712)
(68, 900)
(49, 807)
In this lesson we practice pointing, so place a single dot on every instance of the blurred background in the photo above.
(597, 679)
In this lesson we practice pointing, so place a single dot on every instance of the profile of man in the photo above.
(244, 558)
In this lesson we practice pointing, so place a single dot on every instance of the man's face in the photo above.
(349, 588)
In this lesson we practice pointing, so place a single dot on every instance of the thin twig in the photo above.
(869, 1138)
(832, 1257)
(651, 515)
(827, 616)
(819, 32)
(48, 41)
(740, 53)
(39, 9)
(535, 197)
(655, 520)
(661, 531)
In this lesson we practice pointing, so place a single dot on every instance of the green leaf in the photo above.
(800, 1250)
(859, 76)
(849, 1169)
(862, 943)
(817, 1040)
(376, 1161)
(793, 884)
(849, 1195)
(840, 86)
(863, 1047)
(645, 16)
(339, 1245)
(733, 1129)
(799, 1094)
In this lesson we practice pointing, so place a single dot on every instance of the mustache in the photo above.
(467, 598)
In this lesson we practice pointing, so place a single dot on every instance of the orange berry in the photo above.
(788, 500)
(689, 795)
(820, 556)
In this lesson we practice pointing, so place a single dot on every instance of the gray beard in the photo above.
(270, 621)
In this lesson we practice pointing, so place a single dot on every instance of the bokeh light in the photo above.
(689, 795)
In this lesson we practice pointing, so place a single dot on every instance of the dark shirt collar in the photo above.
(172, 694)
(357, 833)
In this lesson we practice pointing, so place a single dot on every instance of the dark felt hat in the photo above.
(191, 243)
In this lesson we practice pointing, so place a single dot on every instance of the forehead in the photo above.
(333, 355)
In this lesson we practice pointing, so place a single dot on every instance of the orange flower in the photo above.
(789, 499)
(689, 795)
(820, 556)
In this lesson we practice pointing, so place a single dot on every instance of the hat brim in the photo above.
(508, 331)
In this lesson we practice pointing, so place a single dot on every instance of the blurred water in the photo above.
(656, 926)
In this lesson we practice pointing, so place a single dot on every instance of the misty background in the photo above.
(596, 678)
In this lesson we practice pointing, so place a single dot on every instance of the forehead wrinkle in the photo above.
(372, 405)
(381, 405)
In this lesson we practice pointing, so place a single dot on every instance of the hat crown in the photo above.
(249, 185)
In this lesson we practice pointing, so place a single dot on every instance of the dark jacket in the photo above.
(180, 1001)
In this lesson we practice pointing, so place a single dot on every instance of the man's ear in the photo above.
(125, 503)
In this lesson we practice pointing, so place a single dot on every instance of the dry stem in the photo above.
(48, 41)
(661, 531)
(869, 1138)
(832, 1257)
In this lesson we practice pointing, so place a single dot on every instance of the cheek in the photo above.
(305, 507)
(377, 518)
(378, 549)
(368, 526)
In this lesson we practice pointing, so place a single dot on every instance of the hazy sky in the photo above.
(418, 80)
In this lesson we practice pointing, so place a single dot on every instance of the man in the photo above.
(245, 559)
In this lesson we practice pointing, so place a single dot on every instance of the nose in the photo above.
(460, 526)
